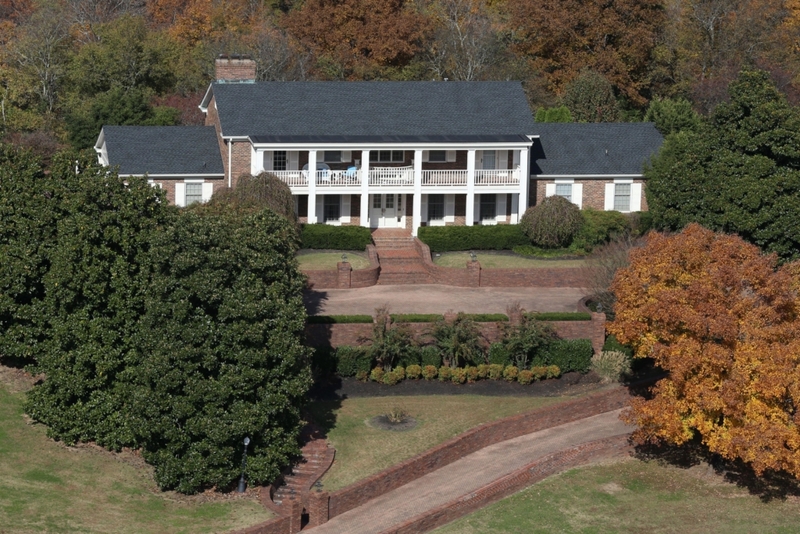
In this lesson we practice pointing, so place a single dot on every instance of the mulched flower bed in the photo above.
(382, 422)
(569, 384)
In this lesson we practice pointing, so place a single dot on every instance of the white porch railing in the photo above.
(292, 178)
(444, 178)
(338, 179)
(390, 176)
(497, 177)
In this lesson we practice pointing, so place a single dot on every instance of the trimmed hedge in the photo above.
(448, 238)
(335, 237)
(561, 316)
(568, 354)
(416, 317)
(487, 317)
(613, 345)
(351, 360)
(338, 319)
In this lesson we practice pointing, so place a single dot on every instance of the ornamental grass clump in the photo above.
(611, 365)
(552, 223)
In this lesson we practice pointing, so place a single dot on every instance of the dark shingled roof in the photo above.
(158, 150)
(411, 110)
(575, 149)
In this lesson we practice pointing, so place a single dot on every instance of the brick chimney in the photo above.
(235, 68)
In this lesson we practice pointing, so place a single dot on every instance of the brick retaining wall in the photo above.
(603, 449)
(338, 335)
(473, 440)
(344, 276)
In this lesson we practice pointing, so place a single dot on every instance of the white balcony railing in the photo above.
(496, 177)
(338, 179)
(444, 178)
(389, 176)
(292, 178)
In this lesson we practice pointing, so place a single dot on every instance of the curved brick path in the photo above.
(469, 474)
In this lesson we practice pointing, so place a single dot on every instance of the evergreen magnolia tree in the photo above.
(738, 172)
(221, 351)
(724, 321)
(94, 296)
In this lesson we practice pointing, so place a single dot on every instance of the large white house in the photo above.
(386, 154)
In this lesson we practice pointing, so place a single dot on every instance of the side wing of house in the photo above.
(182, 160)
(596, 166)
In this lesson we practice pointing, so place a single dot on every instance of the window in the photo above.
(194, 193)
(332, 208)
(389, 202)
(333, 156)
(435, 207)
(387, 156)
(564, 190)
(489, 159)
(622, 197)
(488, 207)
(437, 156)
(279, 160)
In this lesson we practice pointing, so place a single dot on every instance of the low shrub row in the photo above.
(416, 317)
(459, 375)
(423, 318)
(569, 355)
(338, 319)
(448, 238)
(323, 236)
(560, 316)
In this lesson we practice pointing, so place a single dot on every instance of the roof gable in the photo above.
(570, 149)
(372, 109)
(163, 150)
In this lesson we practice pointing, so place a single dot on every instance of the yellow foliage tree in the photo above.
(724, 321)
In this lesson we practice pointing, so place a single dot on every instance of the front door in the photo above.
(384, 212)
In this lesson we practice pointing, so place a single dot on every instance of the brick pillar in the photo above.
(295, 513)
(474, 272)
(514, 315)
(318, 512)
(343, 279)
(598, 331)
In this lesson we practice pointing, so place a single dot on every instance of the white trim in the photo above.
(174, 176)
(623, 181)
(577, 195)
(549, 190)
(584, 176)
(207, 191)
(636, 197)
(180, 195)
(508, 145)
(608, 201)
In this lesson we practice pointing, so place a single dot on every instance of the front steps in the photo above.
(399, 258)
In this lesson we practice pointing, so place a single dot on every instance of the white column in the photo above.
(514, 208)
(364, 188)
(312, 186)
(524, 180)
(417, 205)
(470, 187)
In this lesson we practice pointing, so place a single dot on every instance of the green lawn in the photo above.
(362, 450)
(632, 496)
(48, 487)
(490, 260)
(312, 260)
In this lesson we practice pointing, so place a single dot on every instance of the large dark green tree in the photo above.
(222, 352)
(738, 172)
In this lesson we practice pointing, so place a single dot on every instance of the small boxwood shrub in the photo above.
(429, 372)
(553, 371)
(539, 372)
(496, 371)
(499, 355)
(525, 377)
(561, 316)
(472, 373)
(338, 319)
(416, 317)
(413, 372)
(448, 238)
(323, 236)
(400, 371)
(552, 223)
(391, 378)
(362, 376)
(430, 356)
(487, 317)
(458, 375)
(599, 227)
(445, 373)
(351, 360)
(377, 374)
(483, 370)
(568, 354)
(510, 373)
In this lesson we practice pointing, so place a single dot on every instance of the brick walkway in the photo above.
(470, 473)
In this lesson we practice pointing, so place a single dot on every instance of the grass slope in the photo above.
(502, 261)
(362, 450)
(48, 487)
(632, 496)
(313, 261)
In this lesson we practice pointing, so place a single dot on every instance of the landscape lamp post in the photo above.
(244, 465)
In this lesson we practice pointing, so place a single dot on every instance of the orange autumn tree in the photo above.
(724, 321)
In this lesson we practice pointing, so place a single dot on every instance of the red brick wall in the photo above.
(603, 449)
(169, 186)
(471, 441)
(338, 335)
(230, 69)
(330, 279)
(594, 192)
(544, 277)
(240, 160)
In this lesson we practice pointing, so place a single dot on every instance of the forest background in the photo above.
(69, 66)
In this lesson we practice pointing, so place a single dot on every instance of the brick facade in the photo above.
(594, 192)
(235, 68)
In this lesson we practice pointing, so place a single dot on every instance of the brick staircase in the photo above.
(400, 261)
(316, 458)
